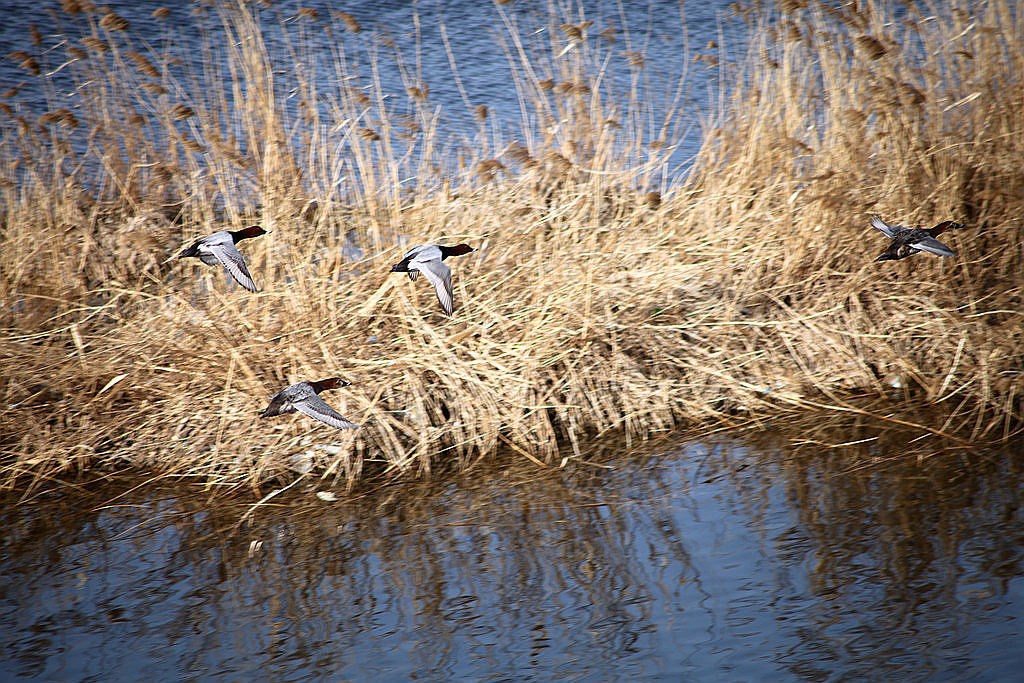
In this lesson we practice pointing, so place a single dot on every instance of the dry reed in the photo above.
(602, 298)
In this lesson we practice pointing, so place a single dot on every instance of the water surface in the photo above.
(670, 34)
(748, 558)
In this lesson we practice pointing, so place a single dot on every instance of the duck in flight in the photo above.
(304, 397)
(220, 248)
(908, 241)
(427, 259)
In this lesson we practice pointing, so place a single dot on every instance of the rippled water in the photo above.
(475, 32)
(740, 559)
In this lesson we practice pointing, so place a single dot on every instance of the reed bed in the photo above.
(606, 296)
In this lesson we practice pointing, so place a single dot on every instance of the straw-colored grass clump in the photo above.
(605, 295)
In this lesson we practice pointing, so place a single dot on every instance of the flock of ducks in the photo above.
(304, 397)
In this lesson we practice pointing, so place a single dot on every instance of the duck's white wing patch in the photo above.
(316, 408)
(231, 259)
(889, 230)
(440, 276)
(933, 246)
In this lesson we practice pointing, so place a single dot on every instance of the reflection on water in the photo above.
(754, 558)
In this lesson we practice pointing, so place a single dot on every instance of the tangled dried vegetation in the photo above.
(605, 295)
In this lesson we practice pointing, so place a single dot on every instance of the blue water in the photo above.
(732, 559)
(671, 40)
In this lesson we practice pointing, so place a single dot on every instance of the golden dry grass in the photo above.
(603, 298)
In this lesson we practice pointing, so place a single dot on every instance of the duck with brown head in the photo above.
(304, 397)
(220, 248)
(908, 241)
(427, 259)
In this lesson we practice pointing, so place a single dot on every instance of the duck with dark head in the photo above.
(427, 259)
(908, 241)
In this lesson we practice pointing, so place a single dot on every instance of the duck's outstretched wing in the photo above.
(889, 230)
(316, 408)
(440, 276)
(232, 259)
(932, 246)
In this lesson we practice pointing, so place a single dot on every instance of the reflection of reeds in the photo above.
(748, 288)
(856, 478)
(812, 522)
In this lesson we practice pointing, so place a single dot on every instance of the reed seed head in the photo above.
(180, 112)
(488, 168)
(161, 13)
(609, 33)
(114, 22)
(144, 65)
(359, 97)
(912, 93)
(792, 5)
(420, 92)
(25, 61)
(163, 174)
(368, 134)
(490, 165)
(572, 32)
(68, 119)
(870, 46)
(559, 162)
(520, 154)
(635, 59)
(853, 118)
(798, 145)
(350, 21)
(409, 122)
(95, 44)
(192, 145)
